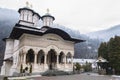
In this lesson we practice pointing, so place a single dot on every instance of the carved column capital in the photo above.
(20, 52)
(36, 50)
(24, 51)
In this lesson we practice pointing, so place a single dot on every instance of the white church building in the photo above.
(44, 48)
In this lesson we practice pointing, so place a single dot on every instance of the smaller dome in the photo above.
(48, 15)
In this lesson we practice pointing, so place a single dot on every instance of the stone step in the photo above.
(54, 73)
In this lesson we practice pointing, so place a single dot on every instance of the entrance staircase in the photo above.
(55, 73)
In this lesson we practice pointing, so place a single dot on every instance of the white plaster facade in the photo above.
(19, 48)
(43, 52)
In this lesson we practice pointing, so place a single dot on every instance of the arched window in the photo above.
(61, 57)
(40, 57)
(30, 56)
(52, 59)
(68, 57)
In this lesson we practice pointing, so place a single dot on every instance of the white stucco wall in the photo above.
(43, 42)
(37, 43)
(9, 48)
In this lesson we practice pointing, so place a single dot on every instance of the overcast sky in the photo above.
(83, 15)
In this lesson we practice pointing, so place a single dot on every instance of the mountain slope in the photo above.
(105, 35)
(7, 21)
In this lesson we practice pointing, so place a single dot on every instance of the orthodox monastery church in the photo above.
(38, 49)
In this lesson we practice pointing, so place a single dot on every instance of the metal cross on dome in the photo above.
(27, 4)
(31, 6)
(48, 10)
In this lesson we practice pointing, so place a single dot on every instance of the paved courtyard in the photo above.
(83, 76)
(77, 77)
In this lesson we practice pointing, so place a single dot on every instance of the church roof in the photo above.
(48, 15)
(18, 30)
(101, 59)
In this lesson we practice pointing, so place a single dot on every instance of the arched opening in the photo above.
(61, 57)
(40, 57)
(52, 59)
(30, 56)
(68, 57)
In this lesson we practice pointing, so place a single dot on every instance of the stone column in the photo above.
(21, 58)
(45, 57)
(35, 62)
(24, 61)
(57, 59)
(45, 62)
(35, 59)
(24, 52)
(65, 60)
(57, 63)
(72, 61)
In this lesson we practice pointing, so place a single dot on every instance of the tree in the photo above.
(103, 51)
(114, 53)
(111, 52)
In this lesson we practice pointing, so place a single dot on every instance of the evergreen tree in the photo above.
(111, 52)
(103, 51)
(114, 53)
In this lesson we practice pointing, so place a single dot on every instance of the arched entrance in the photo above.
(69, 56)
(40, 57)
(30, 56)
(52, 59)
(61, 58)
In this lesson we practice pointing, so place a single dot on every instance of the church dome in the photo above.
(28, 9)
(28, 16)
(47, 19)
(47, 15)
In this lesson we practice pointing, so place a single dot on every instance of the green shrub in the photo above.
(87, 67)
(78, 66)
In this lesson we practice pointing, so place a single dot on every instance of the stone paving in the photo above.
(76, 77)
(1, 77)
(84, 76)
